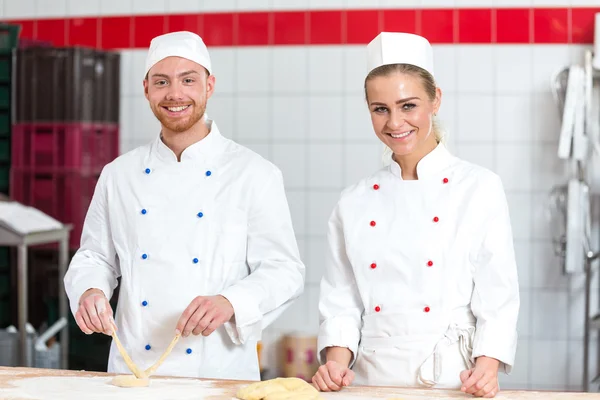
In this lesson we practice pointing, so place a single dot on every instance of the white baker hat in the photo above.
(400, 48)
(178, 44)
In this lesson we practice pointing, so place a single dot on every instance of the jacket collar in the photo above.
(430, 165)
(208, 147)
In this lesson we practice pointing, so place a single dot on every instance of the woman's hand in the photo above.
(481, 380)
(335, 374)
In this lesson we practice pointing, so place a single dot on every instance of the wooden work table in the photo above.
(30, 383)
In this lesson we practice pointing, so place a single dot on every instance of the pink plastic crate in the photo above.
(83, 146)
(62, 194)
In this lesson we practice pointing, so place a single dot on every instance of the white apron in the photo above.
(421, 276)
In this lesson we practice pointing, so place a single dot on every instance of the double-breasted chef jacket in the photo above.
(217, 222)
(421, 278)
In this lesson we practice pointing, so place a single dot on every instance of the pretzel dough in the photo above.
(130, 364)
(127, 381)
(162, 358)
(279, 389)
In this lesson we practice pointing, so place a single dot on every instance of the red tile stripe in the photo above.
(331, 27)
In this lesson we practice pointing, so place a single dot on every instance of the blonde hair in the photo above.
(428, 84)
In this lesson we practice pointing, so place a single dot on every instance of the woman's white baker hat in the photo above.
(400, 48)
(178, 44)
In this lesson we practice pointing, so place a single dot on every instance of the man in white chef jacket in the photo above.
(197, 227)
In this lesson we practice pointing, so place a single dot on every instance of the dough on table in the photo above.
(279, 389)
(127, 381)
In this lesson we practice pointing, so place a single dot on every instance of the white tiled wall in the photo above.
(315, 127)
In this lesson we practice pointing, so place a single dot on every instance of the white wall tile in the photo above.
(512, 3)
(224, 63)
(145, 125)
(551, 3)
(447, 115)
(547, 267)
(548, 170)
(513, 118)
(263, 149)
(134, 79)
(357, 120)
(548, 60)
(126, 88)
(513, 164)
(513, 69)
(253, 119)
(326, 118)
(219, 5)
(361, 3)
(438, 4)
(575, 362)
(253, 5)
(321, 204)
(149, 6)
(181, 6)
(476, 123)
(543, 225)
(355, 69)
(317, 256)
(524, 263)
(291, 159)
(290, 4)
(297, 204)
(444, 67)
(126, 131)
(519, 205)
(326, 69)
(520, 373)
(20, 9)
(116, 7)
(51, 8)
(295, 318)
(289, 73)
(524, 326)
(474, 3)
(550, 316)
(481, 154)
(312, 291)
(475, 66)
(546, 119)
(362, 160)
(326, 4)
(253, 70)
(401, 3)
(221, 109)
(549, 363)
(288, 118)
(325, 166)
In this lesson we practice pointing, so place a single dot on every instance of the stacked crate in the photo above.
(9, 35)
(66, 129)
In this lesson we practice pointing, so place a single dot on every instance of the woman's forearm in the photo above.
(341, 355)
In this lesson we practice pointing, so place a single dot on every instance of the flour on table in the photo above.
(99, 388)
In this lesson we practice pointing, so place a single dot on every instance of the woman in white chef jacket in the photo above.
(420, 287)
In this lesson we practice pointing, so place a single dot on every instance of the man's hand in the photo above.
(204, 315)
(95, 313)
(482, 380)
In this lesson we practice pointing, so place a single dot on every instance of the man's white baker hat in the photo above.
(400, 48)
(178, 44)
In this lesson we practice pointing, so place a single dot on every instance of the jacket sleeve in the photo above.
(495, 300)
(340, 306)
(277, 274)
(95, 263)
